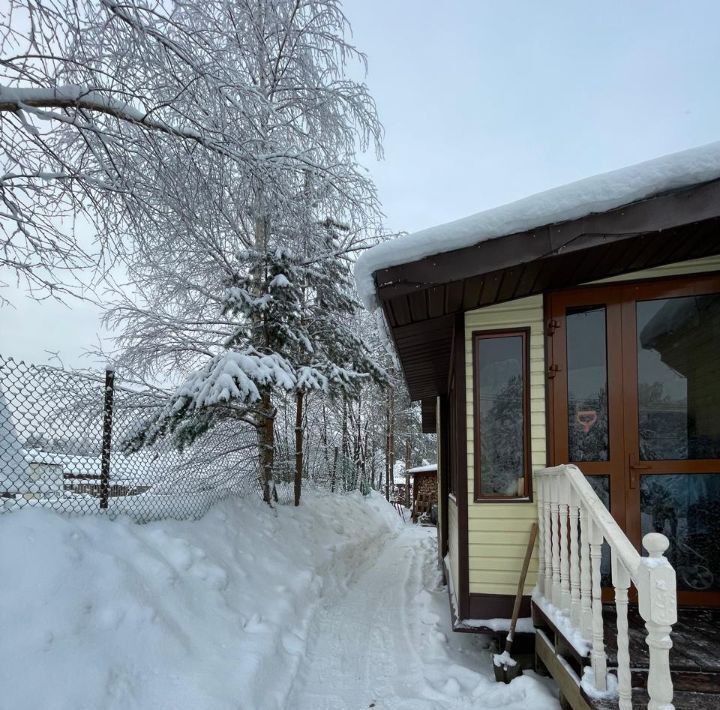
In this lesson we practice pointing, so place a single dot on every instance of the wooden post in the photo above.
(388, 465)
(563, 510)
(554, 514)
(298, 445)
(585, 575)
(658, 606)
(538, 488)
(392, 438)
(621, 582)
(574, 560)
(598, 658)
(407, 475)
(547, 527)
(107, 438)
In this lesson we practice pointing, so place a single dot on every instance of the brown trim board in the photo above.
(444, 464)
(524, 334)
(463, 593)
(495, 606)
(658, 213)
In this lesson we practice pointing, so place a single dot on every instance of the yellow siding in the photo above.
(710, 263)
(498, 532)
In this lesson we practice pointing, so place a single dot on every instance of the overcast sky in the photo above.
(486, 102)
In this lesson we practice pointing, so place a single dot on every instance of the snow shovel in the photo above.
(505, 666)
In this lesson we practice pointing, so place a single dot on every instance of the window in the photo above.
(501, 395)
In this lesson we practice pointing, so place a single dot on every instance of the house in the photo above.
(566, 350)
(424, 489)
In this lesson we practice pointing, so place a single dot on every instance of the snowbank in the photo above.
(579, 199)
(207, 614)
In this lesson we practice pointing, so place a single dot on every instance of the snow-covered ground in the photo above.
(334, 605)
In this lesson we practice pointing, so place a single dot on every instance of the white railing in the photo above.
(573, 523)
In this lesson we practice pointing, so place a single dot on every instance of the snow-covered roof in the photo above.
(137, 469)
(431, 467)
(579, 199)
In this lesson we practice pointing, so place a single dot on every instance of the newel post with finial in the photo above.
(657, 599)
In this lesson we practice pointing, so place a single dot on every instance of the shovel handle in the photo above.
(521, 586)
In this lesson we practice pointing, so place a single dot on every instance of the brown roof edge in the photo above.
(658, 213)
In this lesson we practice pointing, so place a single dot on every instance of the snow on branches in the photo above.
(237, 245)
(118, 120)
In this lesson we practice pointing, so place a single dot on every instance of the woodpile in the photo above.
(425, 494)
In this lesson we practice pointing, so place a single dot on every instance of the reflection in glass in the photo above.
(587, 384)
(500, 391)
(679, 377)
(686, 508)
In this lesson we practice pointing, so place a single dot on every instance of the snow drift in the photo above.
(208, 614)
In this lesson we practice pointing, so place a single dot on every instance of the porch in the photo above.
(694, 658)
(608, 628)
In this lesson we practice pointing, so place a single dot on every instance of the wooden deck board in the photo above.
(696, 640)
(694, 658)
(682, 700)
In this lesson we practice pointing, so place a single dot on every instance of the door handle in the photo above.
(635, 465)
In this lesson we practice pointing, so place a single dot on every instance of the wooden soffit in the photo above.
(420, 298)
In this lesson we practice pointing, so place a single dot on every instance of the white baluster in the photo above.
(574, 560)
(656, 585)
(564, 547)
(585, 576)
(599, 660)
(548, 538)
(539, 483)
(621, 582)
(554, 487)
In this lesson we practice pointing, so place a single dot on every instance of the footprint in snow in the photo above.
(293, 644)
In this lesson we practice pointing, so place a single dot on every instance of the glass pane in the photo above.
(686, 508)
(587, 384)
(601, 486)
(679, 377)
(502, 421)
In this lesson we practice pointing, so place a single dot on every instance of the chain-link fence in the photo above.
(64, 445)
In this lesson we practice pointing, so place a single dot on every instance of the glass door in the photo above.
(635, 403)
(673, 431)
(585, 399)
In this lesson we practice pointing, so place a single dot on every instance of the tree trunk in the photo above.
(266, 445)
(345, 443)
(407, 475)
(387, 448)
(298, 445)
(334, 471)
(325, 441)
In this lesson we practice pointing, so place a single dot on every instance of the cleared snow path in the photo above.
(381, 643)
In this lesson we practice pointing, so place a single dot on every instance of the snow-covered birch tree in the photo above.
(242, 271)
(93, 95)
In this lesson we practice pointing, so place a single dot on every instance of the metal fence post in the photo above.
(107, 438)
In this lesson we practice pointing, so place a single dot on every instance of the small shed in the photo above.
(424, 489)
